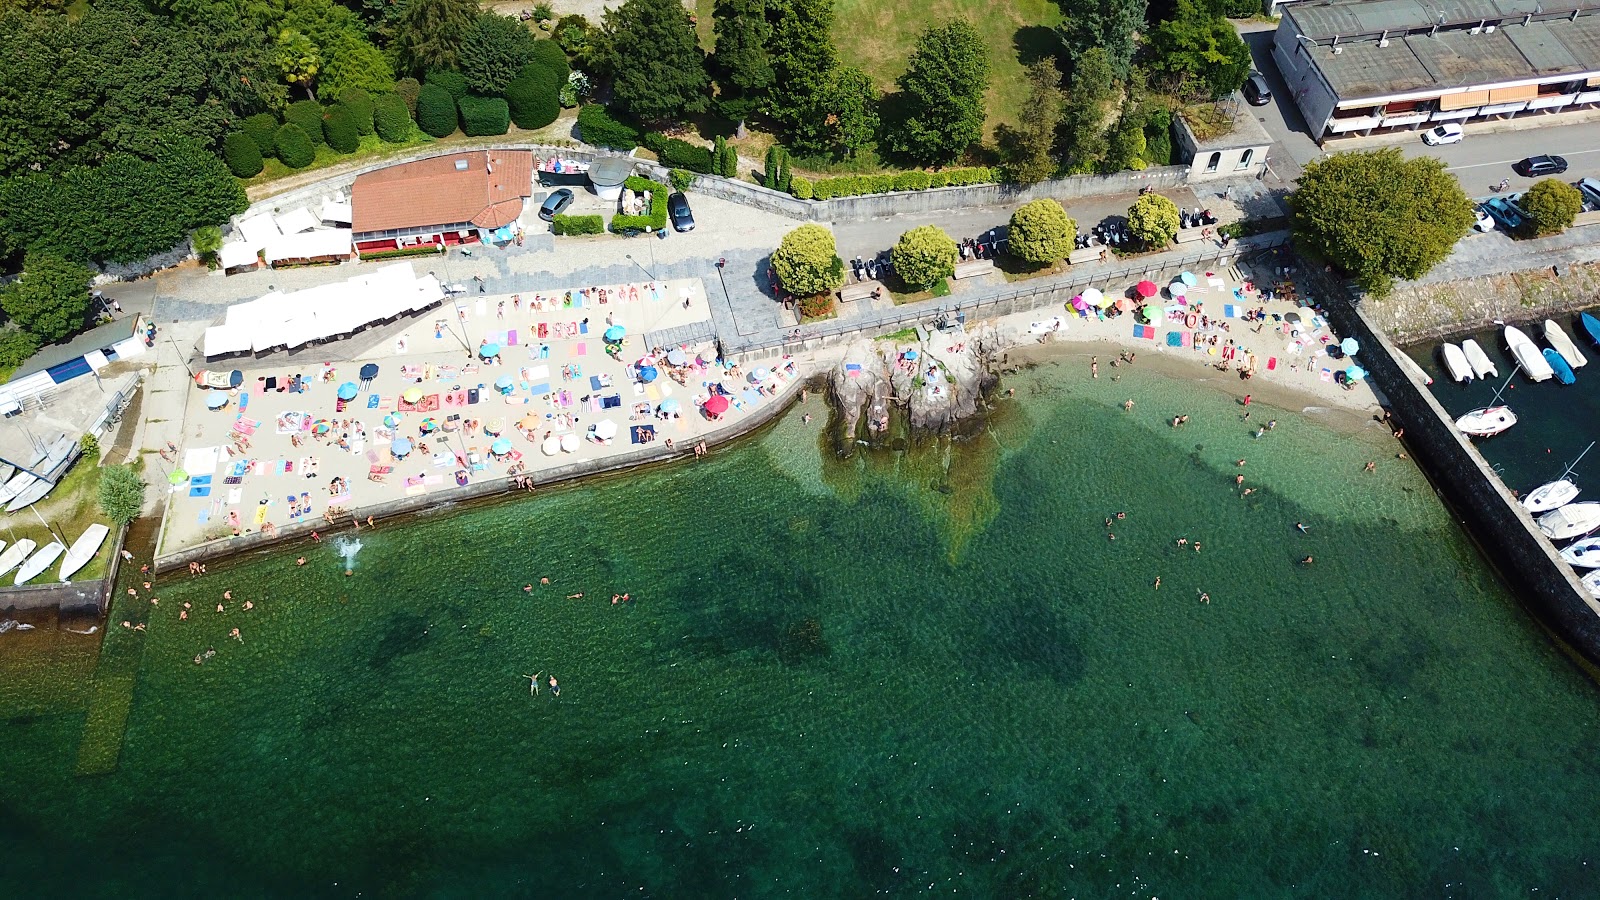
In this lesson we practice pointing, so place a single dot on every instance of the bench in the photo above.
(861, 290)
(1086, 255)
(1190, 235)
(973, 267)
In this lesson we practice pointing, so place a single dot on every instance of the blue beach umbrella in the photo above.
(648, 374)
(216, 400)
(347, 391)
(489, 350)
(1350, 346)
(670, 405)
(615, 333)
(1355, 373)
(504, 383)
(676, 357)
(1189, 279)
(500, 447)
(400, 446)
(911, 354)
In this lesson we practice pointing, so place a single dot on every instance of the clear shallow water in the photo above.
(925, 674)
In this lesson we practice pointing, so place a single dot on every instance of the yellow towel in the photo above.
(261, 513)
(653, 393)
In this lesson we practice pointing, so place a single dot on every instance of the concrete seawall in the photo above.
(1504, 531)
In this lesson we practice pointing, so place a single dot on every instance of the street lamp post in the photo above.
(641, 266)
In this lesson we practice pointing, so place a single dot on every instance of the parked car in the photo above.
(1485, 222)
(1540, 166)
(558, 200)
(678, 209)
(1590, 189)
(1509, 217)
(1448, 133)
(1256, 90)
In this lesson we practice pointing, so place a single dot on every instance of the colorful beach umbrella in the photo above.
(670, 405)
(216, 400)
(489, 351)
(605, 429)
(412, 394)
(614, 333)
(717, 405)
(348, 390)
(321, 426)
(1189, 279)
(1292, 318)
(504, 383)
(428, 425)
(1080, 304)
(1308, 314)
(1178, 289)
(178, 476)
(400, 446)
(500, 447)
(648, 374)
(1350, 346)
(912, 355)
(1153, 314)
(676, 357)
(391, 420)
(1146, 288)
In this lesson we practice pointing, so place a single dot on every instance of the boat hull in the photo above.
(1592, 582)
(1481, 365)
(1528, 356)
(1550, 496)
(1591, 325)
(13, 557)
(1487, 421)
(41, 559)
(1570, 521)
(83, 550)
(1564, 345)
(1585, 554)
(1559, 366)
(1455, 362)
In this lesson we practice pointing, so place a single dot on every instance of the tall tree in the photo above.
(1083, 120)
(658, 70)
(851, 111)
(1107, 24)
(299, 60)
(1200, 51)
(941, 95)
(51, 298)
(430, 34)
(1029, 150)
(803, 60)
(741, 64)
(493, 50)
(354, 63)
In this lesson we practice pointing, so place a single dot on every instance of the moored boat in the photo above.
(1564, 345)
(1455, 362)
(1585, 554)
(1487, 421)
(1481, 365)
(1552, 495)
(39, 561)
(1570, 521)
(1591, 325)
(18, 483)
(15, 555)
(83, 550)
(1592, 582)
(1558, 365)
(1527, 354)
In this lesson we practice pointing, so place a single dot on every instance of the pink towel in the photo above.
(511, 338)
(1272, 363)
(581, 348)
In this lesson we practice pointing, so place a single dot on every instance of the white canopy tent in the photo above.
(309, 245)
(337, 210)
(297, 220)
(293, 319)
(239, 253)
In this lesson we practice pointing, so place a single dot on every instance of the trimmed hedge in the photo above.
(454, 82)
(436, 111)
(262, 128)
(549, 54)
(800, 188)
(563, 224)
(408, 88)
(534, 97)
(361, 106)
(675, 153)
(597, 127)
(776, 169)
(390, 118)
(242, 155)
(340, 129)
(657, 218)
(483, 116)
(423, 250)
(307, 115)
(295, 148)
(858, 185)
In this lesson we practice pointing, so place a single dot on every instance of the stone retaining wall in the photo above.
(1413, 313)
(77, 597)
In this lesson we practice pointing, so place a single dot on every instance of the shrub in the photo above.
(924, 255)
(724, 159)
(577, 225)
(938, 180)
(242, 155)
(361, 107)
(679, 154)
(911, 181)
(295, 148)
(549, 54)
(1041, 232)
(436, 111)
(262, 128)
(307, 116)
(339, 127)
(420, 250)
(207, 241)
(682, 179)
(453, 82)
(1158, 137)
(408, 88)
(1552, 205)
(481, 116)
(90, 445)
(807, 261)
(532, 97)
(1153, 219)
(577, 89)
(596, 126)
(816, 306)
(800, 188)
(572, 33)
(121, 493)
(656, 219)
(390, 118)
(776, 169)
(16, 346)
(881, 184)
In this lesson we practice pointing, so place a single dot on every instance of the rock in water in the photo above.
(938, 382)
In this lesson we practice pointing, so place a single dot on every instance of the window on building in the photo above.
(1213, 162)
(1244, 160)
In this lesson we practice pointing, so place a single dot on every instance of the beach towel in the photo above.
(611, 402)
(1326, 375)
(244, 400)
(1272, 363)
(653, 392)
(852, 369)
(751, 396)
(511, 338)
(201, 480)
(372, 401)
(1230, 311)
(415, 490)
(583, 327)
(1148, 332)
(261, 513)
(1178, 339)
(539, 389)
(413, 480)
(641, 433)
(200, 491)
(581, 348)
(235, 495)
(380, 470)
(204, 517)
(472, 395)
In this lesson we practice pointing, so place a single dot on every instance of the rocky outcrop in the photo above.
(936, 380)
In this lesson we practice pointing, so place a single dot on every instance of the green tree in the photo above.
(1028, 150)
(1041, 232)
(741, 63)
(390, 118)
(1153, 219)
(1158, 136)
(941, 95)
(653, 54)
(923, 256)
(294, 146)
(339, 127)
(1109, 25)
(361, 107)
(436, 110)
(598, 127)
(1199, 49)
(494, 49)
(51, 299)
(430, 34)
(298, 59)
(207, 243)
(16, 346)
(1083, 119)
(534, 97)
(803, 59)
(261, 128)
(1552, 204)
(450, 80)
(242, 155)
(121, 493)
(484, 116)
(850, 111)
(352, 62)
(1378, 215)
(308, 115)
(807, 263)
(1125, 143)
(549, 54)
(408, 89)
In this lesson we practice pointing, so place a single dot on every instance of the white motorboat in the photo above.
(83, 550)
(1552, 495)
(1592, 582)
(1455, 362)
(1410, 365)
(13, 557)
(1564, 345)
(1528, 355)
(1487, 421)
(1570, 521)
(42, 559)
(1481, 365)
(1585, 554)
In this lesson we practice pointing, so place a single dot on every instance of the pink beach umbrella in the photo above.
(1146, 288)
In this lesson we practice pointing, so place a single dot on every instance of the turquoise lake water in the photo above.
(892, 674)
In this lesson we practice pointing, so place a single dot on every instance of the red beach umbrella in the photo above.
(717, 405)
(1147, 288)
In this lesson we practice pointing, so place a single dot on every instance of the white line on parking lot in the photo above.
(1507, 162)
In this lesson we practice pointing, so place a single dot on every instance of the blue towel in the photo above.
(751, 396)
(372, 401)
(583, 327)
(594, 383)
(200, 479)
(540, 389)
(201, 491)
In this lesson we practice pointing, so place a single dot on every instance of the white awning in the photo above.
(238, 253)
(310, 245)
(336, 212)
(327, 311)
(297, 220)
(258, 229)
(96, 360)
(222, 339)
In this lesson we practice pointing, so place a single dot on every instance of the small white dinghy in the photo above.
(13, 557)
(83, 550)
(1585, 554)
(1528, 355)
(1481, 365)
(1487, 421)
(1570, 521)
(1592, 582)
(1552, 495)
(1564, 345)
(43, 559)
(1455, 362)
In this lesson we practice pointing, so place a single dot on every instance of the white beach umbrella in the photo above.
(605, 429)
(551, 445)
(569, 443)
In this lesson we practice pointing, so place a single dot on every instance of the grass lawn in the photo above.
(73, 506)
(372, 146)
(878, 35)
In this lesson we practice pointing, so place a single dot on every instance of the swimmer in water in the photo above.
(577, 596)
(527, 588)
(1302, 527)
(555, 689)
(349, 572)
(1205, 597)
(1308, 561)
(1158, 583)
(1122, 515)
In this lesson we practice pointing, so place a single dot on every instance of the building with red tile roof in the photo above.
(451, 199)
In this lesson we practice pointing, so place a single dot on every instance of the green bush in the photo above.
(682, 179)
(597, 126)
(408, 88)
(453, 82)
(938, 180)
(533, 97)
(911, 181)
(421, 250)
(565, 225)
(776, 173)
(390, 118)
(1552, 205)
(436, 111)
(307, 115)
(121, 493)
(242, 155)
(483, 116)
(262, 128)
(340, 130)
(657, 217)
(724, 159)
(361, 107)
(679, 154)
(16, 346)
(295, 148)
(800, 188)
(881, 184)
(549, 54)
